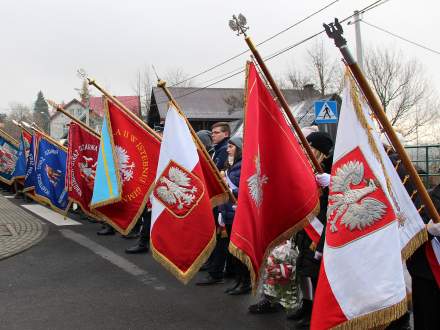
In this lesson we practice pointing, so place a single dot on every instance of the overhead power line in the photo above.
(259, 44)
(276, 54)
(402, 38)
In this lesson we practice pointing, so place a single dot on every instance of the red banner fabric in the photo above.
(277, 185)
(137, 150)
(81, 165)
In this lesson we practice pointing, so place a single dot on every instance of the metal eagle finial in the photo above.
(82, 74)
(334, 31)
(238, 24)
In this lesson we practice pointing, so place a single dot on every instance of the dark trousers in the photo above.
(144, 234)
(220, 254)
(426, 304)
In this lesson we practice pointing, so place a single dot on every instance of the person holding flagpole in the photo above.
(308, 260)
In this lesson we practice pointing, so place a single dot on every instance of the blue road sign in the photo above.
(326, 112)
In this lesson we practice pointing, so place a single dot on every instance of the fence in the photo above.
(426, 158)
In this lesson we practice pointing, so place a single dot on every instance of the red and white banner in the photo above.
(278, 192)
(432, 251)
(182, 223)
(314, 230)
(81, 165)
(371, 224)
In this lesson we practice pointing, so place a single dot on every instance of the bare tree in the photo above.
(19, 112)
(297, 79)
(177, 76)
(320, 70)
(326, 71)
(142, 88)
(234, 101)
(404, 92)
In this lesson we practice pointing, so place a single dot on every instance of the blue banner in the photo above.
(20, 165)
(107, 188)
(29, 179)
(8, 159)
(50, 173)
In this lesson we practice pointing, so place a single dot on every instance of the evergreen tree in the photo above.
(41, 113)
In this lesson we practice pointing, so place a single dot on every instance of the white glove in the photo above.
(323, 179)
(318, 255)
(433, 228)
(220, 220)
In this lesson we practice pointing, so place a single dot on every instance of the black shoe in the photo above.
(131, 235)
(264, 306)
(229, 275)
(205, 267)
(235, 286)
(303, 323)
(106, 231)
(242, 289)
(303, 310)
(139, 248)
(209, 280)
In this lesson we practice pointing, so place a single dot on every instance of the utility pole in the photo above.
(359, 51)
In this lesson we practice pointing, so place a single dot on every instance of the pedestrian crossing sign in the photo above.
(326, 112)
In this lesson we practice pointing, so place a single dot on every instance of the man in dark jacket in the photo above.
(220, 254)
(220, 133)
(219, 136)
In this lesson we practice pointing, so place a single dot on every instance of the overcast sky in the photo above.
(44, 42)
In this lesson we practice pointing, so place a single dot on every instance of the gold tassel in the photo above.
(397, 164)
(413, 193)
(243, 257)
(185, 277)
(405, 179)
(421, 208)
(376, 320)
(417, 241)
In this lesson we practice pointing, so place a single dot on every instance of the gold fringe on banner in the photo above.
(9, 138)
(118, 177)
(376, 320)
(92, 215)
(185, 277)
(417, 241)
(243, 257)
(46, 201)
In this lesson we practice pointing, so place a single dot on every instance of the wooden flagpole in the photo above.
(162, 84)
(123, 108)
(238, 24)
(8, 137)
(21, 126)
(335, 31)
(34, 127)
(59, 108)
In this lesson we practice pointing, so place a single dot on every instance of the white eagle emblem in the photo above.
(360, 211)
(176, 188)
(125, 167)
(256, 181)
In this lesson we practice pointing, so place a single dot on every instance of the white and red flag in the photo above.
(432, 251)
(182, 222)
(278, 192)
(371, 224)
(314, 230)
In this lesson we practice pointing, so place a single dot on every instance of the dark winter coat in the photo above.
(306, 264)
(220, 155)
(228, 209)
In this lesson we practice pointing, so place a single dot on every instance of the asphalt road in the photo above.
(74, 279)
